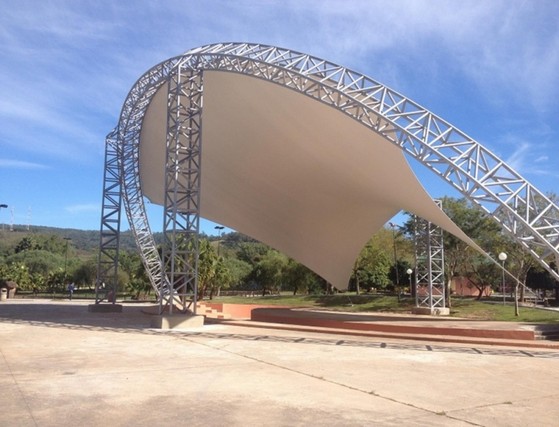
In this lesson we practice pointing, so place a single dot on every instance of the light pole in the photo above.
(219, 229)
(395, 258)
(503, 258)
(66, 256)
(3, 205)
(409, 271)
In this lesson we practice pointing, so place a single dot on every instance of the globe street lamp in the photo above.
(409, 271)
(503, 258)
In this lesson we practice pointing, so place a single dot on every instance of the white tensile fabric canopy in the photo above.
(291, 172)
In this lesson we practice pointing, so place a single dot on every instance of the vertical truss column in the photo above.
(429, 261)
(182, 189)
(106, 284)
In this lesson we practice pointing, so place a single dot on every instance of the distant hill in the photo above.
(82, 240)
(88, 240)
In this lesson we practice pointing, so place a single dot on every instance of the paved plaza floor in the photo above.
(62, 365)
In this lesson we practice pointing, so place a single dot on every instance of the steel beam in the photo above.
(429, 264)
(182, 188)
(106, 285)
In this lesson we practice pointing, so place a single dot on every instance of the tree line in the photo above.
(46, 260)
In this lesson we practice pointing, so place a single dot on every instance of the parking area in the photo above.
(62, 365)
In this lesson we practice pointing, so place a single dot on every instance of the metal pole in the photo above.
(66, 256)
(410, 271)
(219, 229)
(3, 205)
(503, 258)
(503, 283)
(395, 254)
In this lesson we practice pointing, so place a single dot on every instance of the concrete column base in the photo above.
(104, 308)
(177, 321)
(437, 311)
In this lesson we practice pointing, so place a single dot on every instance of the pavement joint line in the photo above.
(377, 344)
(458, 348)
(16, 382)
(489, 405)
(409, 346)
(321, 378)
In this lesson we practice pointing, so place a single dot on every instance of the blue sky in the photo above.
(491, 68)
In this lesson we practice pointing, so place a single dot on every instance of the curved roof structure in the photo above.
(300, 153)
(290, 171)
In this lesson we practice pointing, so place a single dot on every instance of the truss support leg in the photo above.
(182, 190)
(106, 285)
(429, 265)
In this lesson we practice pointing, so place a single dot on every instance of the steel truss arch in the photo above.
(522, 210)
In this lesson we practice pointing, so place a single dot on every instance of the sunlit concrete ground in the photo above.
(62, 365)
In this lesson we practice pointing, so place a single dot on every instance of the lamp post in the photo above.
(503, 258)
(219, 229)
(66, 256)
(3, 205)
(395, 257)
(409, 271)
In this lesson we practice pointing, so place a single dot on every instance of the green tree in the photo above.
(269, 271)
(373, 265)
(55, 281)
(462, 260)
(252, 252)
(38, 261)
(222, 278)
(207, 264)
(85, 273)
(137, 281)
(28, 243)
(17, 272)
(240, 272)
(302, 280)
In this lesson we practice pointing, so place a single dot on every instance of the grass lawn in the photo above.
(461, 307)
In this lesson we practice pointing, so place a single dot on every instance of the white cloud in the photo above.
(19, 164)
(498, 44)
(528, 159)
(519, 157)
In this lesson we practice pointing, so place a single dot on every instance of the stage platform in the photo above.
(405, 326)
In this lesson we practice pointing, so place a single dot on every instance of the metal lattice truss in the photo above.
(522, 210)
(182, 187)
(107, 266)
(429, 264)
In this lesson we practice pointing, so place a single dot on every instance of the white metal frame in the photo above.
(429, 264)
(182, 188)
(521, 209)
(106, 285)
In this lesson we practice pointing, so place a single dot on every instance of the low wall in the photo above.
(349, 322)
(237, 311)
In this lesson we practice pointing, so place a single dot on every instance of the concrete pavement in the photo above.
(62, 365)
